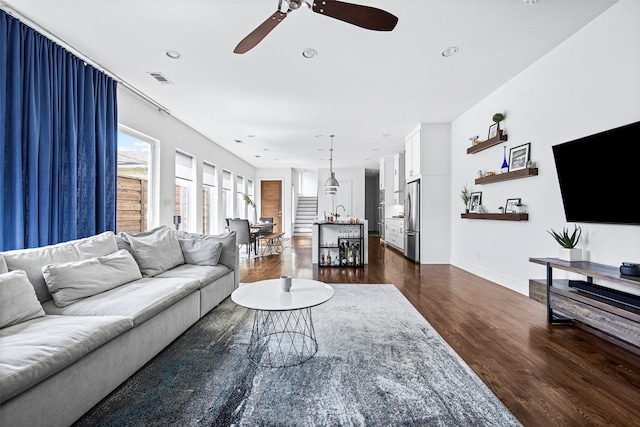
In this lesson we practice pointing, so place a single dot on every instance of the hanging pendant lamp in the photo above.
(331, 186)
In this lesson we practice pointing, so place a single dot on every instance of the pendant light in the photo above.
(331, 186)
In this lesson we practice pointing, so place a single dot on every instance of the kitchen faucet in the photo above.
(340, 206)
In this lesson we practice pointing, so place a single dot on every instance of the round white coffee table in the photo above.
(283, 333)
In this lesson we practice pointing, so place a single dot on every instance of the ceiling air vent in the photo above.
(161, 78)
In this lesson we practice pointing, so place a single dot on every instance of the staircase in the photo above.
(306, 213)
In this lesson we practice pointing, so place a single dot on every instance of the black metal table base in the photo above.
(282, 338)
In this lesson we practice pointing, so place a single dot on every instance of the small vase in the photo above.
(505, 165)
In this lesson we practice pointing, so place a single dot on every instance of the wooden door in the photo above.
(271, 202)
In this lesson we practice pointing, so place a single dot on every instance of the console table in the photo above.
(609, 319)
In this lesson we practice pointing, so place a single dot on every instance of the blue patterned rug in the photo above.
(379, 363)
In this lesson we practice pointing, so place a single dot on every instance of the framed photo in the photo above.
(510, 206)
(475, 201)
(519, 156)
(493, 130)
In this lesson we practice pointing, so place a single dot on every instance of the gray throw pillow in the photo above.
(18, 301)
(3, 265)
(73, 281)
(200, 252)
(155, 251)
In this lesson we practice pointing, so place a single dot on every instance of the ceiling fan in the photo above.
(367, 17)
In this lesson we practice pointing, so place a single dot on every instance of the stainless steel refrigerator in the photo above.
(412, 221)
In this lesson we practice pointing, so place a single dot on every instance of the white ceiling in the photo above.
(368, 88)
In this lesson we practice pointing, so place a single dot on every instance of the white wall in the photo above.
(357, 178)
(589, 83)
(172, 134)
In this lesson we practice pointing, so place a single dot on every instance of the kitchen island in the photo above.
(345, 243)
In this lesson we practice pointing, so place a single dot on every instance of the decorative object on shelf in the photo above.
(511, 205)
(519, 157)
(495, 127)
(474, 140)
(489, 173)
(465, 196)
(519, 208)
(568, 242)
(331, 185)
(480, 174)
(505, 166)
(501, 209)
(475, 202)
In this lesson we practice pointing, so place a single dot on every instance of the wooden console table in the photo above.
(609, 319)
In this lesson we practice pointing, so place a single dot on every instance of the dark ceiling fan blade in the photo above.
(362, 16)
(259, 33)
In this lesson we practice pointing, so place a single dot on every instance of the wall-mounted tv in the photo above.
(599, 176)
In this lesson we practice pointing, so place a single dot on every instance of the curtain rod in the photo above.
(87, 59)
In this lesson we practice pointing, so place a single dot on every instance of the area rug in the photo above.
(379, 363)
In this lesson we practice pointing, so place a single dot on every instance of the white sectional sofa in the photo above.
(80, 317)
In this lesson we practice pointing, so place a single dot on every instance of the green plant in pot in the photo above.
(497, 118)
(465, 196)
(568, 242)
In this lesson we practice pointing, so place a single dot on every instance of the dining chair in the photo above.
(244, 236)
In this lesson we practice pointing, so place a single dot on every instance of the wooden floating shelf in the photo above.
(522, 173)
(497, 216)
(499, 138)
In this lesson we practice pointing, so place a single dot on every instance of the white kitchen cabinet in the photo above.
(394, 232)
(381, 175)
(398, 179)
(413, 155)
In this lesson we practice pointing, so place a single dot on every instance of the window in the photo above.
(252, 207)
(241, 206)
(227, 202)
(185, 194)
(133, 207)
(209, 199)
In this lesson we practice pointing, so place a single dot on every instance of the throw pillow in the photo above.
(156, 251)
(3, 265)
(73, 281)
(200, 252)
(18, 301)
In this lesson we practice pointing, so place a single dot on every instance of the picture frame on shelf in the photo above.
(510, 206)
(493, 131)
(519, 156)
(475, 201)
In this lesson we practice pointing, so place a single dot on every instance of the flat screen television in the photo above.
(599, 176)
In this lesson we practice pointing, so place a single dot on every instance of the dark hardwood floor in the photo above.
(546, 375)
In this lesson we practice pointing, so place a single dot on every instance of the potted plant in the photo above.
(497, 118)
(519, 207)
(568, 242)
(465, 196)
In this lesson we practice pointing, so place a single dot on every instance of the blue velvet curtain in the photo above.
(58, 129)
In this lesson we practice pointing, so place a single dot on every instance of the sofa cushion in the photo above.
(3, 266)
(34, 350)
(200, 252)
(205, 274)
(32, 260)
(72, 281)
(139, 300)
(155, 250)
(228, 255)
(18, 300)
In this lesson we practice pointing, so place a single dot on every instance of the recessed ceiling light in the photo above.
(309, 53)
(386, 135)
(319, 135)
(530, 1)
(251, 135)
(450, 51)
(173, 54)
(238, 141)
